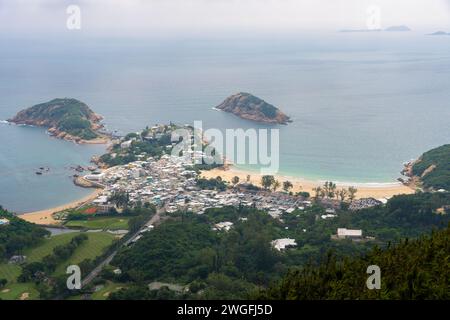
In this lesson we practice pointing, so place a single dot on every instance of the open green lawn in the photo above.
(9, 272)
(96, 244)
(16, 291)
(111, 223)
(47, 245)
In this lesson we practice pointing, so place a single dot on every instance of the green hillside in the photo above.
(65, 115)
(417, 269)
(434, 165)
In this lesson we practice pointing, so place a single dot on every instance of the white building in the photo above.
(101, 200)
(343, 233)
(282, 244)
(94, 177)
(226, 225)
(4, 222)
(126, 144)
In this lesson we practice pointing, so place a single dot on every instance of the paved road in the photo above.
(96, 271)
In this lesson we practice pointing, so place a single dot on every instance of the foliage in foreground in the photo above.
(417, 269)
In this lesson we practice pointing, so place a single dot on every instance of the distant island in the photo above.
(68, 119)
(398, 29)
(247, 106)
(439, 33)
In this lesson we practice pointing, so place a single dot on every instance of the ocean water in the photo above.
(361, 104)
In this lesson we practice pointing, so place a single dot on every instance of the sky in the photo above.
(109, 17)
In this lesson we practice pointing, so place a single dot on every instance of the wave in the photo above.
(5, 122)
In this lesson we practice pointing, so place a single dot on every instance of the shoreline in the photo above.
(365, 190)
(62, 135)
(45, 216)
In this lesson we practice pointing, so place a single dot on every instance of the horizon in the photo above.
(176, 18)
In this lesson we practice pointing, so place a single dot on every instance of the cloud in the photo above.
(206, 16)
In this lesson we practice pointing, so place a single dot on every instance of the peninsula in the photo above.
(66, 118)
(431, 171)
(247, 106)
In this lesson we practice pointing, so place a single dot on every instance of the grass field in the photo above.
(10, 272)
(17, 291)
(96, 244)
(111, 223)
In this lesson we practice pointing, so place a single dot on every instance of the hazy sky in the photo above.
(209, 16)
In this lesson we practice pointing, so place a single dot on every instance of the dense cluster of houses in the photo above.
(364, 203)
(170, 182)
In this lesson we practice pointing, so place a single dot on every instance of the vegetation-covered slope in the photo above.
(417, 269)
(230, 265)
(65, 118)
(18, 235)
(433, 168)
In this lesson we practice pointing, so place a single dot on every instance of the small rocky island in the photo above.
(249, 107)
(67, 119)
(401, 28)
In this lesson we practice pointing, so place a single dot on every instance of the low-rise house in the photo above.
(94, 177)
(4, 222)
(364, 203)
(344, 233)
(282, 244)
(126, 144)
(101, 200)
(226, 225)
(117, 271)
(17, 259)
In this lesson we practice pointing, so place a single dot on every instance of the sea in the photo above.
(361, 103)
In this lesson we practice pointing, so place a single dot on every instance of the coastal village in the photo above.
(170, 183)
(139, 183)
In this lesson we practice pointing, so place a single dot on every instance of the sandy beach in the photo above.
(45, 216)
(365, 190)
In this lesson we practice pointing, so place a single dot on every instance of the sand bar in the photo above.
(45, 216)
(365, 190)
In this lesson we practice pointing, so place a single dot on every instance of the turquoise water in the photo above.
(362, 104)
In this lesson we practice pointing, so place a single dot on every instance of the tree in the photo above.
(351, 193)
(330, 189)
(287, 185)
(276, 185)
(318, 192)
(267, 181)
(235, 180)
(120, 199)
(342, 194)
